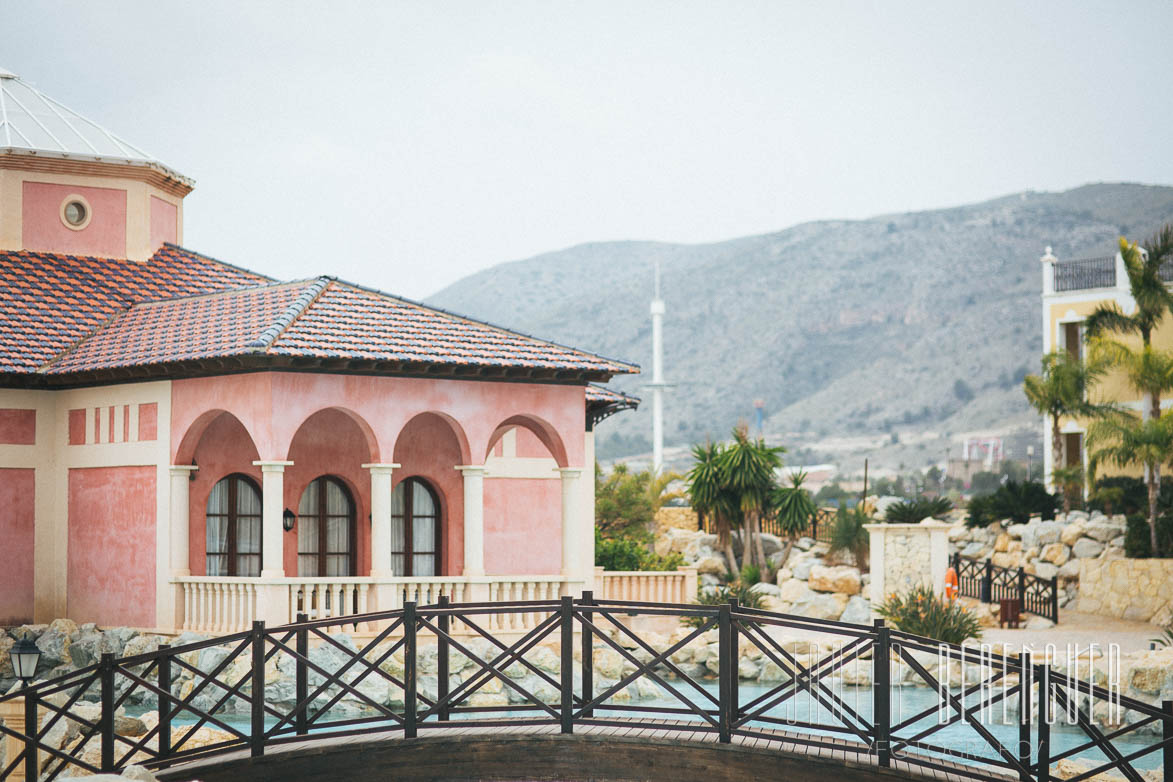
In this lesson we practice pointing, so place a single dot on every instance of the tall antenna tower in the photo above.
(657, 384)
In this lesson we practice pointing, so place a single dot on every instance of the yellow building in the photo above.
(1072, 290)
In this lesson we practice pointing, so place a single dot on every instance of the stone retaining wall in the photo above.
(1136, 589)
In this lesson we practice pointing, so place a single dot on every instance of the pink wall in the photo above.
(112, 546)
(460, 421)
(523, 526)
(77, 427)
(164, 222)
(428, 449)
(42, 228)
(224, 449)
(330, 443)
(18, 427)
(148, 421)
(16, 554)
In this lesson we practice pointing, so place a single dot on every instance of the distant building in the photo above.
(1072, 290)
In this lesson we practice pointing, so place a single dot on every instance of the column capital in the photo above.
(472, 469)
(569, 472)
(381, 467)
(179, 469)
(272, 466)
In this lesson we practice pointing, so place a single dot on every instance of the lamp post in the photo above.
(25, 655)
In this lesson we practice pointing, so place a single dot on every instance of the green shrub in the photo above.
(721, 595)
(1128, 495)
(1137, 542)
(849, 537)
(622, 553)
(923, 612)
(916, 510)
(751, 574)
(1015, 501)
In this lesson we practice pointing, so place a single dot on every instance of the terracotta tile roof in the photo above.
(48, 302)
(63, 315)
(597, 394)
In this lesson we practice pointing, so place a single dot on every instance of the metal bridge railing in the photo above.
(239, 680)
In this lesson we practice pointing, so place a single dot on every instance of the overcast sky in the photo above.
(405, 145)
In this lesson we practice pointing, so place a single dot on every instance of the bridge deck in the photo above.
(663, 732)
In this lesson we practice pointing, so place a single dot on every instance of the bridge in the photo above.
(563, 720)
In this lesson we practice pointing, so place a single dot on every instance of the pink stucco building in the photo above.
(188, 444)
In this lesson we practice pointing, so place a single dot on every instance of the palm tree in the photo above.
(1124, 439)
(658, 493)
(794, 508)
(710, 498)
(1061, 390)
(747, 467)
(1152, 297)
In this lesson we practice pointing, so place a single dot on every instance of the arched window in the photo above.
(415, 529)
(325, 529)
(233, 528)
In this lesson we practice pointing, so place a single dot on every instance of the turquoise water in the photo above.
(905, 703)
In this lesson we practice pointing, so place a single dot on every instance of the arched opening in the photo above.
(541, 429)
(428, 449)
(222, 449)
(232, 522)
(416, 542)
(326, 529)
(332, 443)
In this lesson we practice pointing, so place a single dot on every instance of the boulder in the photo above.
(1072, 532)
(802, 568)
(1038, 623)
(765, 588)
(1055, 553)
(973, 550)
(1002, 542)
(1151, 672)
(1006, 559)
(1087, 548)
(834, 579)
(795, 590)
(804, 544)
(1103, 530)
(1015, 531)
(54, 643)
(821, 605)
(1070, 569)
(772, 673)
(710, 565)
(1046, 570)
(6, 643)
(771, 544)
(858, 611)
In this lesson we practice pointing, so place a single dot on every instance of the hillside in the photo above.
(901, 323)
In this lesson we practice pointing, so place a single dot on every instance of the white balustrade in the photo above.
(227, 605)
(217, 605)
(650, 586)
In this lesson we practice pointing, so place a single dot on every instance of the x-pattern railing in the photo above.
(229, 692)
(983, 580)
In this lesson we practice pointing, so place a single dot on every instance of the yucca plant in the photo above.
(917, 509)
(742, 591)
(848, 537)
(921, 611)
(1165, 639)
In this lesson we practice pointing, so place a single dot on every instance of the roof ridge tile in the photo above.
(290, 314)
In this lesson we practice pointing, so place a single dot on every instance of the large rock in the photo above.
(1045, 570)
(1087, 548)
(802, 567)
(766, 588)
(1006, 559)
(710, 565)
(1055, 553)
(821, 605)
(771, 544)
(54, 643)
(1103, 530)
(858, 611)
(1072, 532)
(1070, 569)
(795, 590)
(1002, 542)
(975, 549)
(834, 579)
(1151, 672)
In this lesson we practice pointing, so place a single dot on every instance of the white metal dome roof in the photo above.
(32, 123)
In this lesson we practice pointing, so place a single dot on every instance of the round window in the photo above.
(75, 213)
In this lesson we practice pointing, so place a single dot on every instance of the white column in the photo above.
(570, 523)
(474, 518)
(586, 532)
(272, 509)
(380, 518)
(1048, 261)
(181, 477)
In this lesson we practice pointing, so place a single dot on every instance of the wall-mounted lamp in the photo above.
(287, 519)
(191, 473)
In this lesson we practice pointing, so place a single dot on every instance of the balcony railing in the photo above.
(1085, 273)
(226, 605)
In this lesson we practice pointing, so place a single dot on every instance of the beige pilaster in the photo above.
(570, 522)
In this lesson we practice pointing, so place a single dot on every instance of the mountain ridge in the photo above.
(887, 324)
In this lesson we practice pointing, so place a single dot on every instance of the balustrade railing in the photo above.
(301, 683)
(218, 605)
(665, 586)
(1085, 273)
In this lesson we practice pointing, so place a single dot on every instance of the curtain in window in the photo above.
(307, 531)
(423, 532)
(216, 536)
(338, 512)
(248, 530)
(398, 529)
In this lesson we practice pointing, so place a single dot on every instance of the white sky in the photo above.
(405, 145)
